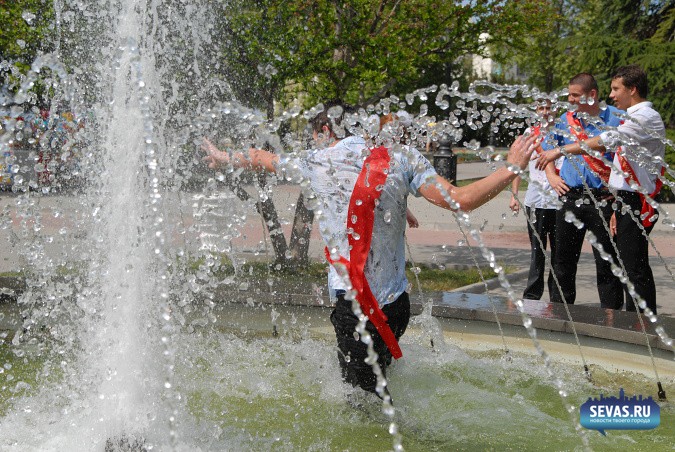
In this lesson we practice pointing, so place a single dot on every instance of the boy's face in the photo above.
(544, 112)
(576, 92)
(620, 94)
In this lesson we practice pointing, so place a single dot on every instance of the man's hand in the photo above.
(215, 158)
(557, 184)
(547, 157)
(514, 205)
(412, 220)
(521, 150)
(612, 224)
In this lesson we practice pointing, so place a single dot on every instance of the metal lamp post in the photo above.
(445, 161)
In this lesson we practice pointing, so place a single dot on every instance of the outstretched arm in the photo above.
(577, 148)
(474, 195)
(255, 159)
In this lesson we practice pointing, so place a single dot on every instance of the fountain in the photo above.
(142, 320)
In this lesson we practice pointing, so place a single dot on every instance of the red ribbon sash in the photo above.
(367, 190)
(632, 177)
(596, 165)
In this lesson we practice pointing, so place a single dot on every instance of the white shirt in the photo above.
(641, 137)
(539, 193)
(331, 174)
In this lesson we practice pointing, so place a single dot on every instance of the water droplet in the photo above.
(28, 17)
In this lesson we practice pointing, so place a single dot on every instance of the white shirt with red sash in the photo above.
(641, 139)
(330, 174)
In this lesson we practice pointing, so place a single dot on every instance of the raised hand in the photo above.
(521, 150)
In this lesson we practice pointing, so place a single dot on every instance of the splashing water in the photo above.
(129, 248)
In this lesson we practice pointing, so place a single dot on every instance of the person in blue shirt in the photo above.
(581, 184)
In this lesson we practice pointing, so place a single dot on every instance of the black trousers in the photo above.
(352, 352)
(634, 251)
(541, 222)
(569, 240)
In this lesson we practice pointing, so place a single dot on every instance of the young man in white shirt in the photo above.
(642, 149)
(541, 203)
(361, 200)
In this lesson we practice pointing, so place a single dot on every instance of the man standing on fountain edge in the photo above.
(362, 200)
(639, 142)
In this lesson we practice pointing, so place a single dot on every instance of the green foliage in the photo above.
(360, 50)
(25, 31)
(598, 36)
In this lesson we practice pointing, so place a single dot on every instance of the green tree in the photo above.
(598, 36)
(25, 31)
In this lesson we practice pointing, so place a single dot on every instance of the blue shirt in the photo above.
(575, 164)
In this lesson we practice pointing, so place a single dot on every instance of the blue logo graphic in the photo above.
(620, 413)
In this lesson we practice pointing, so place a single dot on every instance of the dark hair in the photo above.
(586, 81)
(632, 76)
(322, 119)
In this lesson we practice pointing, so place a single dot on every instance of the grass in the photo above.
(443, 279)
(431, 278)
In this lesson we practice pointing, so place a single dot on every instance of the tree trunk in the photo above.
(300, 235)
(276, 234)
(269, 213)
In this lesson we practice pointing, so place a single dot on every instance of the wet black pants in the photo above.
(352, 352)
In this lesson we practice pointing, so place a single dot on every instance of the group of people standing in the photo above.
(362, 192)
(603, 163)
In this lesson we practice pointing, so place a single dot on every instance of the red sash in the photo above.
(536, 131)
(647, 210)
(362, 207)
(596, 165)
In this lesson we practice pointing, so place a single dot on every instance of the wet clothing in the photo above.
(331, 175)
(352, 352)
(579, 202)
